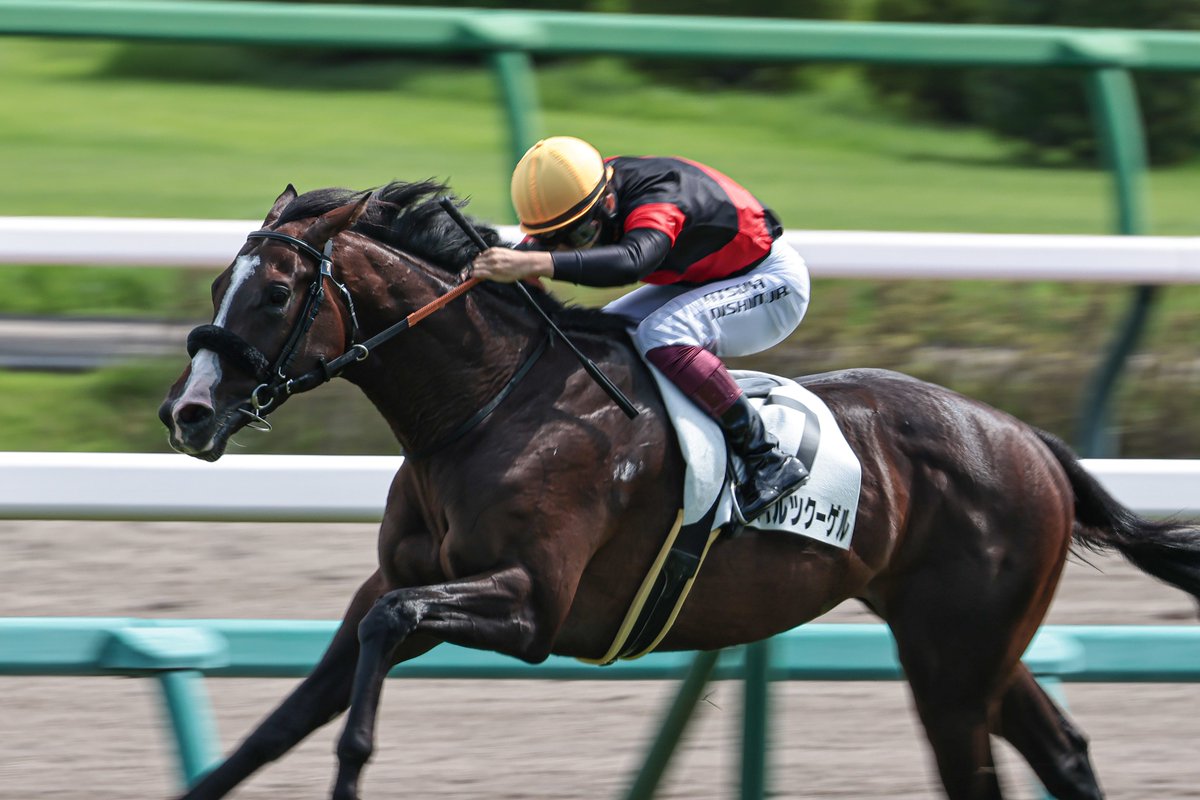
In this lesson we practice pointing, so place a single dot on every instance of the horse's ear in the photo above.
(331, 223)
(281, 202)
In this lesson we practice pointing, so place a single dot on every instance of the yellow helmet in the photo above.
(556, 183)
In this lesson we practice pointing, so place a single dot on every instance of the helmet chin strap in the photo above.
(606, 212)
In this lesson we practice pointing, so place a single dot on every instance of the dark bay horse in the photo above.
(526, 525)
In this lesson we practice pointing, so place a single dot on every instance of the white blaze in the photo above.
(206, 369)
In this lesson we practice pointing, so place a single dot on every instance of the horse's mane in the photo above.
(403, 215)
(409, 217)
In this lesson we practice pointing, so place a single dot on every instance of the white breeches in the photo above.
(729, 317)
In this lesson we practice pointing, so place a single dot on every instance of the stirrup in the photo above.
(781, 494)
(736, 510)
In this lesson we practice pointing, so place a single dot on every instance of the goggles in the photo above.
(576, 237)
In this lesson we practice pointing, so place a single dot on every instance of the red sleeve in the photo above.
(665, 217)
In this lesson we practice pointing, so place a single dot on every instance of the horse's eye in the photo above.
(278, 295)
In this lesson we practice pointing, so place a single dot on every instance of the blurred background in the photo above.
(94, 127)
(97, 127)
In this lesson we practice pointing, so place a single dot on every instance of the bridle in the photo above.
(272, 377)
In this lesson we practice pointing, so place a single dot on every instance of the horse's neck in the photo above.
(432, 377)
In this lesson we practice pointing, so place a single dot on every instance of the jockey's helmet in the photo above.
(556, 186)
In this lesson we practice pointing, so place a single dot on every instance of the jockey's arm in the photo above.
(636, 255)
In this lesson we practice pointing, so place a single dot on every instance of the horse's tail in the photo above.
(1167, 550)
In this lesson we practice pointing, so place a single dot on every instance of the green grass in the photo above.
(79, 135)
(98, 411)
(84, 132)
(77, 143)
(115, 410)
(106, 292)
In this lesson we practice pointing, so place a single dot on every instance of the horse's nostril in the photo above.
(193, 414)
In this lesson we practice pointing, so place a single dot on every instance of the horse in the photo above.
(529, 508)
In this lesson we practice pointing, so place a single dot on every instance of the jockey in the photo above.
(719, 280)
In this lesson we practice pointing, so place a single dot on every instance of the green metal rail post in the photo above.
(518, 87)
(1123, 146)
(189, 712)
(674, 723)
(756, 720)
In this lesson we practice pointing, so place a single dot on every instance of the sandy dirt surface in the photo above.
(101, 738)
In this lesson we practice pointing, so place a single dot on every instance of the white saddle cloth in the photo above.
(823, 509)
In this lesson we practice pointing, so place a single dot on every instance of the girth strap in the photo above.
(663, 590)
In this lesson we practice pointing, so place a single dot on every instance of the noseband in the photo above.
(274, 382)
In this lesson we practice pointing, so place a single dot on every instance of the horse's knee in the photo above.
(390, 620)
(528, 647)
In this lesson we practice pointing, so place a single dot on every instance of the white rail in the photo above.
(267, 488)
(148, 486)
(830, 254)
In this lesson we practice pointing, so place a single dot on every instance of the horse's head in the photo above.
(279, 313)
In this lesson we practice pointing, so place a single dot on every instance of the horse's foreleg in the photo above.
(319, 698)
(1055, 749)
(491, 612)
(323, 695)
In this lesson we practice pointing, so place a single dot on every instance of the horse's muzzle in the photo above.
(192, 429)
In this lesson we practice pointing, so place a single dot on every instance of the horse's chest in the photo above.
(466, 554)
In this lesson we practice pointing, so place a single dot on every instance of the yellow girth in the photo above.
(643, 594)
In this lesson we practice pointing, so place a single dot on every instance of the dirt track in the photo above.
(100, 738)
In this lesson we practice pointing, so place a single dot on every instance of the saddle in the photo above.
(823, 509)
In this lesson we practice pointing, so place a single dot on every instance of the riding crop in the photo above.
(589, 366)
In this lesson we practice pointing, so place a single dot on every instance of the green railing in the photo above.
(181, 653)
(509, 38)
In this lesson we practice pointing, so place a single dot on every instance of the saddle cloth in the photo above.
(823, 509)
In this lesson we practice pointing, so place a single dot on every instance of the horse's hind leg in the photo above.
(952, 676)
(1055, 749)
(956, 724)
(960, 629)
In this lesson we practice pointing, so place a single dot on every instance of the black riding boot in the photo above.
(771, 473)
